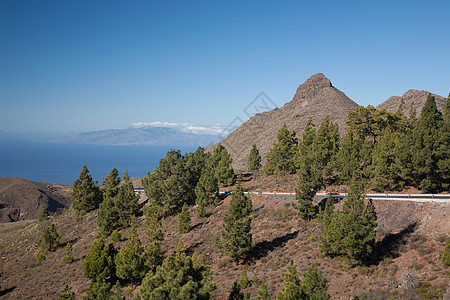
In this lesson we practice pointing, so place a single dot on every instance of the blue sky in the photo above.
(90, 65)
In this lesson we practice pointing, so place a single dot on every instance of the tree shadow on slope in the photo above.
(243, 177)
(6, 291)
(263, 248)
(391, 244)
(196, 226)
(323, 202)
(190, 250)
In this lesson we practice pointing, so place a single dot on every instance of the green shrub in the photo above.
(426, 290)
(43, 214)
(116, 236)
(41, 256)
(446, 255)
(97, 290)
(66, 294)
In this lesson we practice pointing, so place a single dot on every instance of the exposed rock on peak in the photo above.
(311, 90)
(316, 81)
(412, 99)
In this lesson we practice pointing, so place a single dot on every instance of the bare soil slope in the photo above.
(22, 199)
(314, 99)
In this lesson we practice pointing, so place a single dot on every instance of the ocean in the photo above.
(62, 163)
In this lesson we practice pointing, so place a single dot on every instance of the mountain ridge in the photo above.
(315, 99)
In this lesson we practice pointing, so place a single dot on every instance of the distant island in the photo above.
(148, 134)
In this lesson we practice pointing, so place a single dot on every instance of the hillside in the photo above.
(413, 99)
(315, 99)
(410, 240)
(22, 199)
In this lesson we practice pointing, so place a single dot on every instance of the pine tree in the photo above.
(236, 293)
(130, 260)
(446, 255)
(201, 211)
(326, 216)
(97, 290)
(111, 184)
(117, 211)
(280, 160)
(446, 114)
(262, 293)
(305, 154)
(43, 215)
(116, 292)
(66, 294)
(68, 257)
(171, 184)
(86, 194)
(387, 170)
(305, 145)
(50, 238)
(153, 250)
(107, 217)
(350, 232)
(196, 162)
(325, 147)
(184, 220)
(348, 159)
(443, 164)
(368, 123)
(365, 125)
(99, 263)
(426, 151)
(314, 285)
(235, 237)
(207, 190)
(177, 278)
(310, 182)
(126, 201)
(291, 285)
(221, 163)
(254, 159)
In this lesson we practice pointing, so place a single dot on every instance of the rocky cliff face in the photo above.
(315, 99)
(412, 99)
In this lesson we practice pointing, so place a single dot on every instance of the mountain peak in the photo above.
(315, 99)
(316, 81)
(412, 100)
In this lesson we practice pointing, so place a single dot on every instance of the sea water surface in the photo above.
(62, 163)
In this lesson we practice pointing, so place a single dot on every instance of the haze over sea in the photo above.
(62, 163)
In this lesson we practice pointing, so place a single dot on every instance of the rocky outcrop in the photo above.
(412, 100)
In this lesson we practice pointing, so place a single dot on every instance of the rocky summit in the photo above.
(314, 99)
(412, 100)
